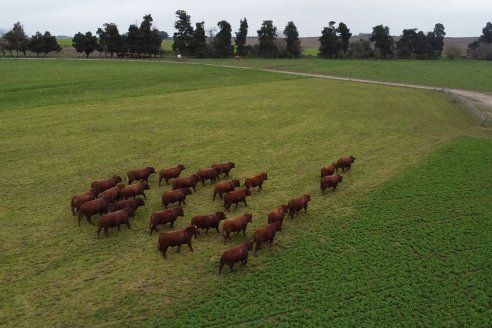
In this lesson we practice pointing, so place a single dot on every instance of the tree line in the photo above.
(188, 40)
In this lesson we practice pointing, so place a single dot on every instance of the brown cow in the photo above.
(255, 181)
(134, 203)
(209, 173)
(141, 174)
(236, 225)
(330, 181)
(134, 190)
(208, 221)
(115, 219)
(164, 216)
(101, 185)
(297, 204)
(99, 205)
(82, 198)
(176, 238)
(178, 195)
(266, 233)
(169, 173)
(185, 182)
(113, 193)
(278, 213)
(236, 197)
(224, 167)
(328, 169)
(225, 186)
(235, 254)
(345, 163)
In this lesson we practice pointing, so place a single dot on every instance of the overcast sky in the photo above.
(66, 17)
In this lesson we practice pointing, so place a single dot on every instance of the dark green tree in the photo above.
(405, 47)
(330, 43)
(345, 35)
(222, 41)
(292, 40)
(360, 49)
(436, 40)
(241, 38)
(17, 40)
(199, 41)
(486, 33)
(422, 46)
(135, 40)
(383, 42)
(267, 37)
(183, 38)
(151, 40)
(43, 43)
(110, 40)
(86, 43)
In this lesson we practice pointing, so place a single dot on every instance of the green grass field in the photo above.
(64, 123)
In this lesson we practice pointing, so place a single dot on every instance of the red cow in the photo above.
(178, 195)
(169, 173)
(266, 233)
(101, 185)
(82, 198)
(330, 181)
(297, 204)
(345, 163)
(134, 190)
(185, 182)
(255, 181)
(208, 221)
(134, 203)
(176, 238)
(236, 197)
(224, 167)
(164, 216)
(225, 186)
(236, 225)
(235, 254)
(277, 214)
(209, 173)
(99, 205)
(115, 219)
(141, 174)
(113, 193)
(328, 169)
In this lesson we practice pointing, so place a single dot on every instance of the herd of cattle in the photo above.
(116, 203)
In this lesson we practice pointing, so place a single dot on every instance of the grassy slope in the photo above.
(57, 273)
(415, 252)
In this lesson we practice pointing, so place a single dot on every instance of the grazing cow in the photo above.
(208, 221)
(235, 254)
(176, 238)
(113, 193)
(328, 169)
(255, 181)
(90, 208)
(297, 204)
(115, 219)
(278, 213)
(225, 186)
(236, 225)
(169, 173)
(185, 182)
(134, 190)
(141, 174)
(266, 233)
(82, 198)
(236, 197)
(178, 195)
(224, 167)
(330, 181)
(164, 216)
(209, 173)
(345, 163)
(134, 203)
(104, 184)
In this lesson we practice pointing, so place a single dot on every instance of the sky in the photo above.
(67, 17)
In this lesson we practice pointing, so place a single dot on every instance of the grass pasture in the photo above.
(65, 123)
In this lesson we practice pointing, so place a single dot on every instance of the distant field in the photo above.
(371, 251)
